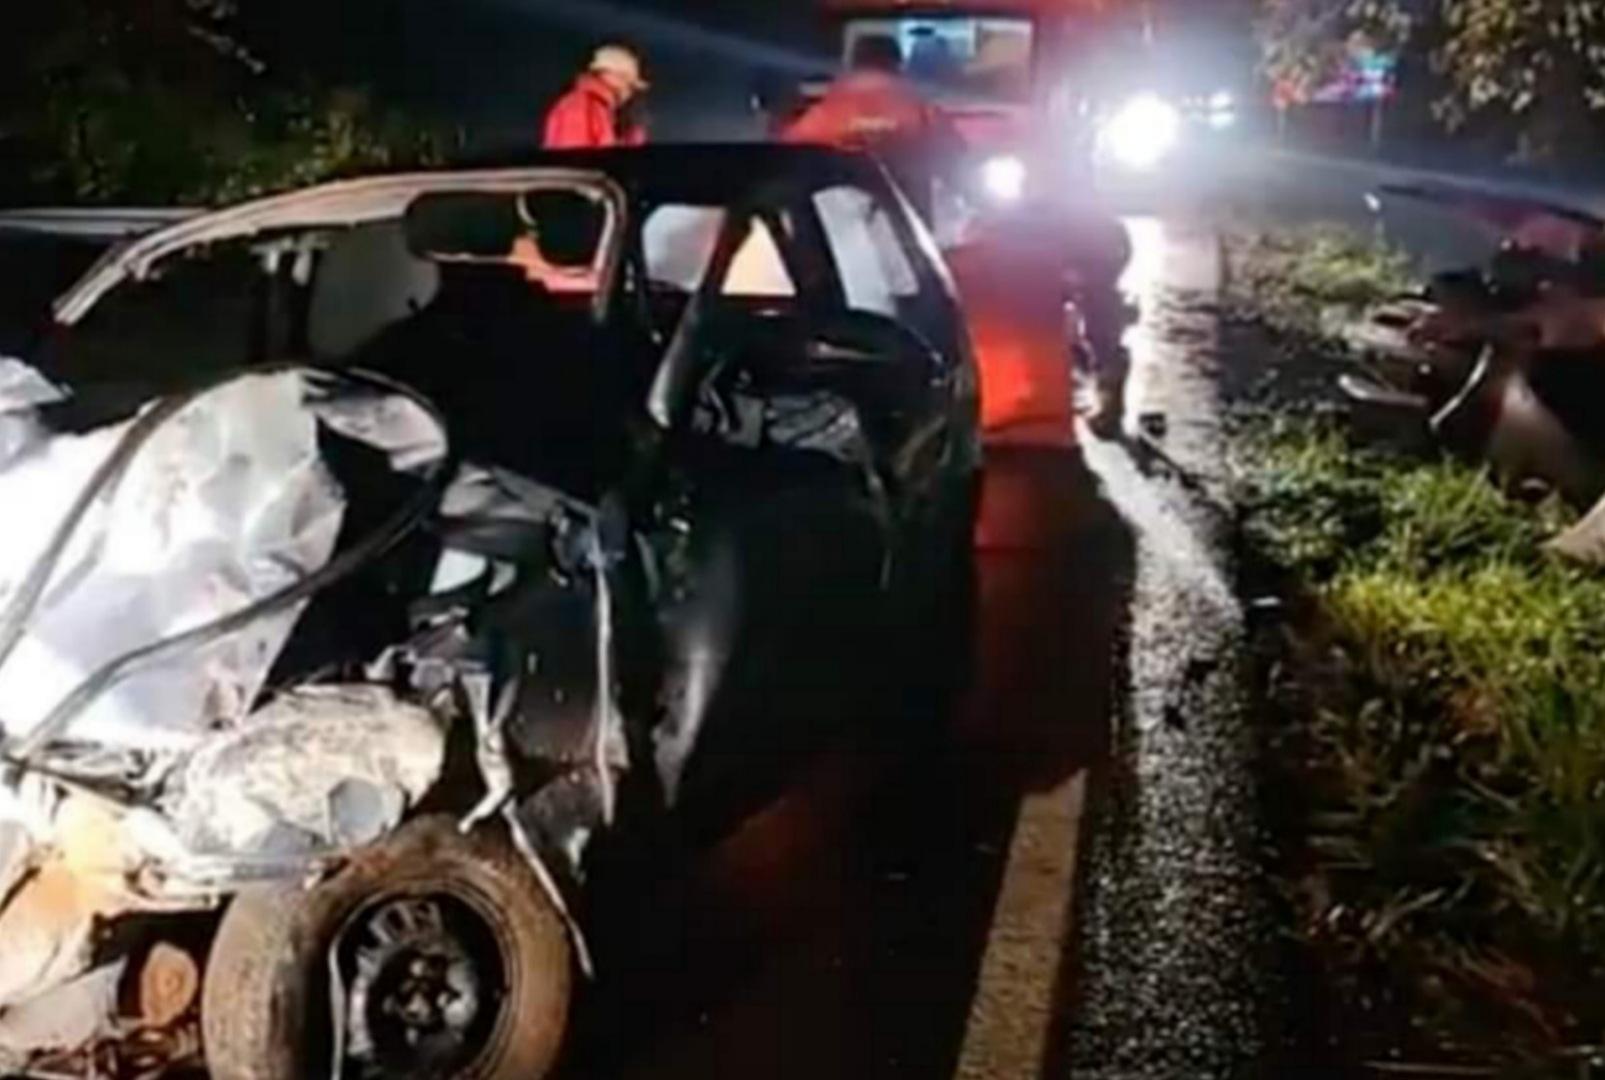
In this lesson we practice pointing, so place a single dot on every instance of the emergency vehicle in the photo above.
(1035, 251)
(1051, 93)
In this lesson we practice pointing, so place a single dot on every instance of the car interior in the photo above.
(492, 304)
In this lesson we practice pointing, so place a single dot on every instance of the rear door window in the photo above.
(678, 242)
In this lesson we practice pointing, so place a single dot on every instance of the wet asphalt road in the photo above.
(841, 931)
(911, 905)
(1176, 952)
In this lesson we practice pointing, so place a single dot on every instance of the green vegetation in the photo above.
(168, 101)
(1441, 719)
(1530, 65)
(1297, 281)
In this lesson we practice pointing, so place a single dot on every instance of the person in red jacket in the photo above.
(873, 108)
(869, 106)
(589, 116)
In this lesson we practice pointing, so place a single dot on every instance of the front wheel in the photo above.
(432, 954)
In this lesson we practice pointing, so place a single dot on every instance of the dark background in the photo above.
(490, 66)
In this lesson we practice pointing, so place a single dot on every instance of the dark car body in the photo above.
(1503, 357)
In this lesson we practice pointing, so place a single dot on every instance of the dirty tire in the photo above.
(265, 1003)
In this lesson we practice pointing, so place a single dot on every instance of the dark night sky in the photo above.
(492, 64)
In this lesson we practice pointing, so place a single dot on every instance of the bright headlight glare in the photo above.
(1143, 131)
(1222, 100)
(1004, 177)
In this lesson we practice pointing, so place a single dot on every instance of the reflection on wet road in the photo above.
(840, 931)
(1174, 952)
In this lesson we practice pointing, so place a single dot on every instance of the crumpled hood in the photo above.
(227, 504)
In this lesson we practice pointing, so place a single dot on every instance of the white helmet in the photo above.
(620, 62)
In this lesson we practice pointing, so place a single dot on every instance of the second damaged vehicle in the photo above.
(397, 545)
(1500, 362)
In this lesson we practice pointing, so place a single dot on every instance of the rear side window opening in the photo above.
(320, 293)
(678, 240)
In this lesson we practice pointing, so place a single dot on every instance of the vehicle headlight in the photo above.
(1143, 131)
(1004, 177)
(1222, 110)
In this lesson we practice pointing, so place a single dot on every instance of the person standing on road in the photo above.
(871, 104)
(592, 115)
(874, 108)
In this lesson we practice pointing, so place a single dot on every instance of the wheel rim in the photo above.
(426, 985)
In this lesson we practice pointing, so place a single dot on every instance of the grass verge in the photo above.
(1439, 690)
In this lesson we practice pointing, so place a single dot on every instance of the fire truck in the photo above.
(1057, 93)
(1064, 109)
(1034, 248)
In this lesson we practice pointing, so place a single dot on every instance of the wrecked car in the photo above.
(396, 545)
(1501, 361)
(1543, 258)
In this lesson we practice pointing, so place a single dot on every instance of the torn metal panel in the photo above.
(220, 513)
(152, 604)
(323, 768)
(76, 1013)
(225, 505)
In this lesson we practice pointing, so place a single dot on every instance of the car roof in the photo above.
(329, 205)
(105, 224)
(717, 173)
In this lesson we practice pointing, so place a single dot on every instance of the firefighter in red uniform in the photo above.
(591, 115)
(867, 106)
(874, 108)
